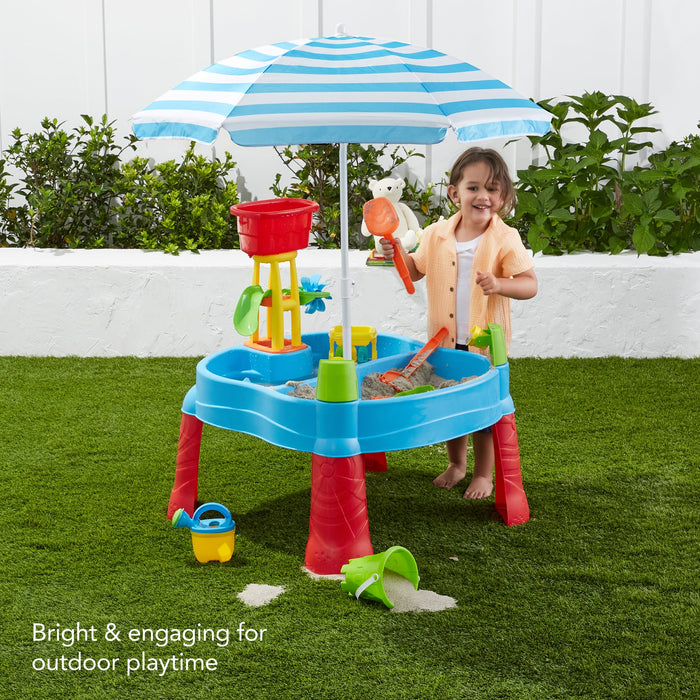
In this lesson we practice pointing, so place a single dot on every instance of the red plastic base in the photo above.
(338, 524)
(510, 499)
(184, 493)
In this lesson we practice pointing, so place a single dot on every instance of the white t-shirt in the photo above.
(465, 260)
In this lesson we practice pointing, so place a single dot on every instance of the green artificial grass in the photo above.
(595, 597)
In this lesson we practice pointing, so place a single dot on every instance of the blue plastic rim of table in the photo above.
(245, 390)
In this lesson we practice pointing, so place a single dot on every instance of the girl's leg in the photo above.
(481, 485)
(457, 470)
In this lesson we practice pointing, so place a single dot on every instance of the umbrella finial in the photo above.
(340, 30)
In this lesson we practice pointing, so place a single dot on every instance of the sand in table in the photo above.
(372, 386)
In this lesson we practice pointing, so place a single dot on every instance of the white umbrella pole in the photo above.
(345, 281)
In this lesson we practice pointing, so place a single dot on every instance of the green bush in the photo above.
(68, 184)
(77, 191)
(5, 198)
(583, 196)
(172, 206)
(662, 201)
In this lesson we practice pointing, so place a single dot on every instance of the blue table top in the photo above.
(245, 390)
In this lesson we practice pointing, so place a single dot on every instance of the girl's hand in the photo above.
(520, 286)
(390, 251)
(488, 282)
(387, 249)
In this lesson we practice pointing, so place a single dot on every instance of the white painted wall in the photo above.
(61, 59)
(127, 302)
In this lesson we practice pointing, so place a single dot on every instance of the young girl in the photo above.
(473, 265)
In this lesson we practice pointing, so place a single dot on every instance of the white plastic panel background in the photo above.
(115, 56)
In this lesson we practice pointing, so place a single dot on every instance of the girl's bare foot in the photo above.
(451, 476)
(479, 487)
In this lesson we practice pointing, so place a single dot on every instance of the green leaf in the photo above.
(562, 214)
(643, 238)
(666, 215)
(600, 213)
(527, 203)
(651, 199)
(679, 191)
(632, 203)
(617, 245)
(598, 140)
(536, 241)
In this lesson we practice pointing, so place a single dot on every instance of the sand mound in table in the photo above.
(302, 391)
(373, 386)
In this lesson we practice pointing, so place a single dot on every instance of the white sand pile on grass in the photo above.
(257, 594)
(399, 590)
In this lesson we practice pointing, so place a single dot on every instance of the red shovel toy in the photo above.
(381, 220)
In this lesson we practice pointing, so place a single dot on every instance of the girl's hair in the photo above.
(498, 175)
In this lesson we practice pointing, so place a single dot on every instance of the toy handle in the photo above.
(216, 507)
(401, 268)
(366, 584)
(422, 355)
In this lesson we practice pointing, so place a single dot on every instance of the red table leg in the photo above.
(184, 493)
(511, 502)
(375, 462)
(338, 524)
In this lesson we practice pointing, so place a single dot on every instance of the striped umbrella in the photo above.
(341, 89)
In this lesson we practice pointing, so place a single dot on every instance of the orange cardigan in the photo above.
(500, 251)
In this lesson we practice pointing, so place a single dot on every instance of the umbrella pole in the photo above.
(345, 281)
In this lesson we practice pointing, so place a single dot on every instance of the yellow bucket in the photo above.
(211, 546)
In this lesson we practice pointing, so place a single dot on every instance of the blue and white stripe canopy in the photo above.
(342, 89)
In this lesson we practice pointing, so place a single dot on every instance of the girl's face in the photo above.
(477, 197)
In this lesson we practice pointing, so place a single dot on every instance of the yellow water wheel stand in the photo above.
(277, 303)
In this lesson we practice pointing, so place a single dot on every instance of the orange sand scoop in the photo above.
(382, 220)
(417, 360)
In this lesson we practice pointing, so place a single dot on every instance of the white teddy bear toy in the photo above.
(408, 230)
